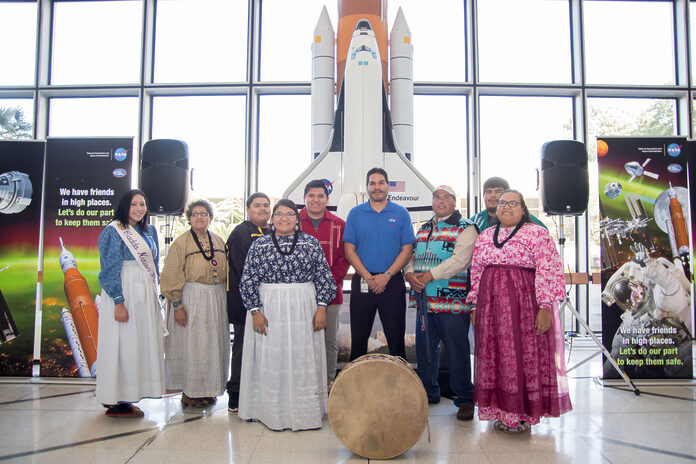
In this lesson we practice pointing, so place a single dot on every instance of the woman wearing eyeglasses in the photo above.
(193, 280)
(286, 285)
(516, 284)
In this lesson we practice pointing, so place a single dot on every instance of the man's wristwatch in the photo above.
(388, 274)
(176, 304)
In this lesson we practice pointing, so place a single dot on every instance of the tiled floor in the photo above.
(63, 423)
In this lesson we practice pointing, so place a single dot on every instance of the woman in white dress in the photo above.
(129, 346)
(193, 280)
(286, 285)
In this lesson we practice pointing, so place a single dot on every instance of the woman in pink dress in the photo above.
(517, 282)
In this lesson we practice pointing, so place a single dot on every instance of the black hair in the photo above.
(287, 203)
(123, 209)
(376, 171)
(204, 203)
(254, 196)
(314, 184)
(496, 182)
(525, 211)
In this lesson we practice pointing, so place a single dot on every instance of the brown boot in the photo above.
(466, 412)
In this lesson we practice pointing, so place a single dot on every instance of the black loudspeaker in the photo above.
(164, 175)
(565, 184)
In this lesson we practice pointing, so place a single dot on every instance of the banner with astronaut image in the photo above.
(645, 240)
(21, 181)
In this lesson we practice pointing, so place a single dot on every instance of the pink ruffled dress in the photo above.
(518, 375)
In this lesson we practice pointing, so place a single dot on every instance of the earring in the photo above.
(273, 229)
(297, 227)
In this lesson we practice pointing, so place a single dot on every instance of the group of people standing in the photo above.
(278, 280)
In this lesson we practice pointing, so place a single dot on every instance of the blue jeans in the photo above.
(453, 330)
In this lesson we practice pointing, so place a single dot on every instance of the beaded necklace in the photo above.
(211, 259)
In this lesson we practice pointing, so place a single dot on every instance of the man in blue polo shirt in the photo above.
(378, 242)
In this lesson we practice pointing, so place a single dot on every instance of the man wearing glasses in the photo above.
(258, 209)
(492, 189)
(378, 243)
(439, 278)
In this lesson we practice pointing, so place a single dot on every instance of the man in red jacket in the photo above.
(328, 228)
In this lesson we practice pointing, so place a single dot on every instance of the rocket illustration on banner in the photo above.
(84, 318)
(372, 124)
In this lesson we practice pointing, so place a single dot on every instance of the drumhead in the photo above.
(378, 407)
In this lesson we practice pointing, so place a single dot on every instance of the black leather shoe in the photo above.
(233, 403)
(466, 412)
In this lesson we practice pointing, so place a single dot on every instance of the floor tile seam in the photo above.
(592, 447)
(75, 444)
(25, 400)
(640, 447)
(96, 440)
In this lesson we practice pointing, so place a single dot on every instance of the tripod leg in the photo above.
(600, 345)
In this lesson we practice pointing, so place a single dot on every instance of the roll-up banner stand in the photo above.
(85, 178)
(21, 180)
(646, 258)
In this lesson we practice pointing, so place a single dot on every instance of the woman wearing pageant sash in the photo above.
(286, 285)
(193, 280)
(129, 350)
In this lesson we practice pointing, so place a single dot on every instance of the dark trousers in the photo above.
(391, 305)
(236, 360)
(453, 330)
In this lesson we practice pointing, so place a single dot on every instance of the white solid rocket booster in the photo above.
(323, 84)
(401, 83)
(75, 345)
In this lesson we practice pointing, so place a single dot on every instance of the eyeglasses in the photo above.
(511, 204)
(442, 197)
(203, 214)
(289, 215)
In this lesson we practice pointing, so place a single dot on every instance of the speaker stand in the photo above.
(566, 303)
(167, 233)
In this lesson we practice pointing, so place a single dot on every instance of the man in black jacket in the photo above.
(258, 209)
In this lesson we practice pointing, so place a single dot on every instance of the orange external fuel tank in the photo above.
(349, 13)
(84, 311)
(681, 236)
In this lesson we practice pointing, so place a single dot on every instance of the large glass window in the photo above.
(286, 37)
(213, 129)
(438, 38)
(99, 117)
(440, 141)
(513, 130)
(18, 36)
(524, 41)
(284, 141)
(629, 42)
(96, 42)
(16, 118)
(201, 41)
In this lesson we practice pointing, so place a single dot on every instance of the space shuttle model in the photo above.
(365, 130)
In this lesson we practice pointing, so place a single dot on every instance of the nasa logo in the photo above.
(673, 149)
(119, 172)
(392, 221)
(120, 154)
(674, 168)
(329, 185)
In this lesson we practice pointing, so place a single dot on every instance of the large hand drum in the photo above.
(378, 407)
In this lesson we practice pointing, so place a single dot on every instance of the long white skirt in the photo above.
(283, 381)
(130, 359)
(198, 355)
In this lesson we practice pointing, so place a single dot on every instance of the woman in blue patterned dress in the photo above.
(286, 285)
